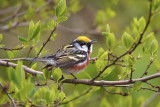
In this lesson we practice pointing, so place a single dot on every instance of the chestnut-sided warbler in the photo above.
(71, 58)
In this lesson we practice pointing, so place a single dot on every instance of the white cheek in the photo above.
(84, 48)
(91, 48)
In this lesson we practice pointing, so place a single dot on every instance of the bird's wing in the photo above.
(68, 56)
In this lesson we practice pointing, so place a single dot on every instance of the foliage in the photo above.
(135, 55)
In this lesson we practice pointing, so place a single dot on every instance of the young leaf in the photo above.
(22, 39)
(1, 37)
(10, 54)
(137, 86)
(62, 19)
(111, 41)
(61, 7)
(99, 64)
(100, 52)
(36, 31)
(106, 34)
(142, 23)
(34, 66)
(20, 73)
(153, 47)
(46, 74)
(31, 28)
(107, 28)
(12, 76)
(127, 40)
(61, 96)
(57, 74)
(53, 36)
(51, 24)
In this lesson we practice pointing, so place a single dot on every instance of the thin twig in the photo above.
(150, 84)
(30, 49)
(144, 88)
(120, 93)
(76, 97)
(14, 105)
(11, 49)
(120, 65)
(146, 71)
(131, 74)
(44, 44)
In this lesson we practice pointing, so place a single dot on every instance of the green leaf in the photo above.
(99, 65)
(61, 7)
(51, 24)
(36, 31)
(127, 40)
(20, 73)
(12, 76)
(106, 34)
(104, 55)
(1, 37)
(107, 28)
(61, 96)
(57, 74)
(153, 47)
(31, 28)
(22, 39)
(111, 41)
(150, 44)
(10, 54)
(137, 85)
(46, 74)
(53, 36)
(34, 66)
(142, 24)
(62, 19)
(100, 52)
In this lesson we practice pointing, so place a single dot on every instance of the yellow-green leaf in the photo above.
(10, 54)
(111, 41)
(61, 7)
(127, 40)
(22, 39)
(57, 74)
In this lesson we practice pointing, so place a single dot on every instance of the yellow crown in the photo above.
(84, 39)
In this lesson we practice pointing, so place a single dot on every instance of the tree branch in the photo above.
(86, 81)
(5, 90)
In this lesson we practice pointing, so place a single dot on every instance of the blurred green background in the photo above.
(85, 20)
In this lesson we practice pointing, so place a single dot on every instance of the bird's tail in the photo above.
(49, 61)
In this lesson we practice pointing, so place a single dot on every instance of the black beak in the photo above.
(93, 41)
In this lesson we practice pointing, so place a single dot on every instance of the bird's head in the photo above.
(84, 43)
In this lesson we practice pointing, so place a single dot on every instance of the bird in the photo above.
(72, 58)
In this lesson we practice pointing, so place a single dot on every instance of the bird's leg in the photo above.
(73, 76)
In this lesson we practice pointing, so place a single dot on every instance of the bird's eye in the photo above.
(82, 43)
